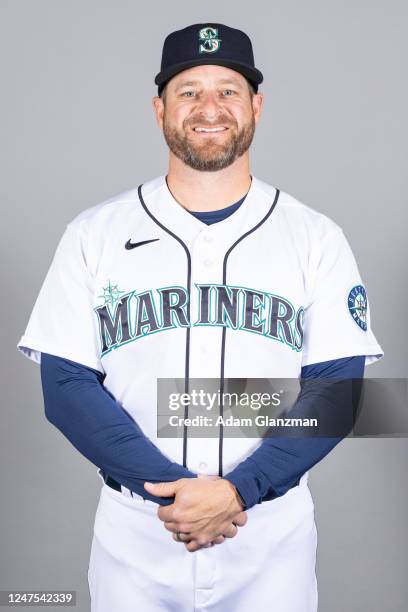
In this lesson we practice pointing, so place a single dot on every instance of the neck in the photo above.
(203, 191)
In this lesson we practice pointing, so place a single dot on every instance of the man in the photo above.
(207, 272)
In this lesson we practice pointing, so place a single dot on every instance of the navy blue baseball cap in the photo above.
(207, 43)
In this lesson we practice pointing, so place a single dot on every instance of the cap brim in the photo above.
(249, 72)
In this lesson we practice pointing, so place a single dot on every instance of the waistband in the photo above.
(114, 484)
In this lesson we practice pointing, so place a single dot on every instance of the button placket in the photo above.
(205, 342)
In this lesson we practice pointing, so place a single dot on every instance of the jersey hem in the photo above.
(32, 349)
(372, 354)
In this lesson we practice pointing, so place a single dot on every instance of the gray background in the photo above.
(78, 128)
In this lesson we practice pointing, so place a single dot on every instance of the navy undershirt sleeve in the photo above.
(78, 404)
(278, 463)
(89, 416)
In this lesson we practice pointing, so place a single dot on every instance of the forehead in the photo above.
(207, 75)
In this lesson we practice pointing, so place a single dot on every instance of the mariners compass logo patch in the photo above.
(209, 41)
(357, 305)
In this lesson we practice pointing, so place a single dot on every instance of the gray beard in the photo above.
(197, 157)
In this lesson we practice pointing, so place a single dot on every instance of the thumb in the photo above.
(161, 489)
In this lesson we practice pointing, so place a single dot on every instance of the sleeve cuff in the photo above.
(250, 487)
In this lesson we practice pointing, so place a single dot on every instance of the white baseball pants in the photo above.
(135, 565)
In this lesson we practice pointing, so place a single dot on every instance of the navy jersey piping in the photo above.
(224, 329)
(187, 357)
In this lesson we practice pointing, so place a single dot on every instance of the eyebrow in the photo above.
(221, 81)
(230, 80)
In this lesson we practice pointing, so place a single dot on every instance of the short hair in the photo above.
(250, 87)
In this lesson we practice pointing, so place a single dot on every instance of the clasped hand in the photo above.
(205, 511)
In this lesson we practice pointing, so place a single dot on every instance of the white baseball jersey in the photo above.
(140, 289)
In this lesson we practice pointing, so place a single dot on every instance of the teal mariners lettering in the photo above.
(127, 317)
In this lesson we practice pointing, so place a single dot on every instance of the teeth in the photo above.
(202, 129)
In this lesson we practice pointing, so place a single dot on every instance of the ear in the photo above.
(158, 107)
(257, 105)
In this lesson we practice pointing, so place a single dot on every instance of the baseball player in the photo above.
(205, 272)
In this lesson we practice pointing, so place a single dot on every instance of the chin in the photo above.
(208, 150)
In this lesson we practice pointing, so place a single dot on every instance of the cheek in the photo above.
(177, 116)
(239, 112)
(245, 113)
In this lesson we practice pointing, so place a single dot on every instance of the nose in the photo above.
(209, 105)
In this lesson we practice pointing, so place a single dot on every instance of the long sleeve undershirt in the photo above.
(279, 462)
(79, 405)
(89, 416)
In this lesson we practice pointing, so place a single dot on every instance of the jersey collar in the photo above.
(164, 209)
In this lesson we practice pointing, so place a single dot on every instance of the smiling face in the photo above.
(208, 116)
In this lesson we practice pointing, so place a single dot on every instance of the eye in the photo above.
(188, 94)
(228, 92)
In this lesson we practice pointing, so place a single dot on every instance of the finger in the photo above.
(166, 513)
(181, 537)
(193, 545)
(231, 531)
(175, 527)
(240, 519)
(187, 545)
(161, 489)
(219, 539)
(199, 540)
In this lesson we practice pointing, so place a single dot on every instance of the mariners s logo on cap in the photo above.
(209, 41)
(357, 305)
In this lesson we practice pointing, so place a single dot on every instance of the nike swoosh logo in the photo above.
(132, 245)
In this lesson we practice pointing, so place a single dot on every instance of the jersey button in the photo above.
(208, 238)
(203, 465)
(208, 263)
